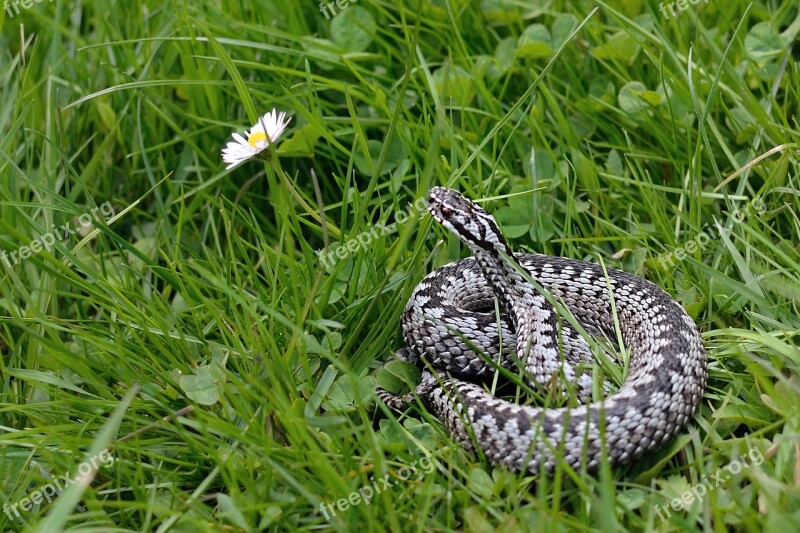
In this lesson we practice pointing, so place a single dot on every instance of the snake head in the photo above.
(466, 219)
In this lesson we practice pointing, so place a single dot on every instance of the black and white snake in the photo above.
(450, 324)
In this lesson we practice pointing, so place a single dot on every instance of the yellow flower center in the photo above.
(256, 138)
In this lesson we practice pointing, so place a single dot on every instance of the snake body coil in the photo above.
(451, 315)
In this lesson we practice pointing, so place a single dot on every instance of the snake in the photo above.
(469, 319)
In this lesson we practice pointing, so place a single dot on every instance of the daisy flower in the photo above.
(266, 132)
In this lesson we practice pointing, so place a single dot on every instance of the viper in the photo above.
(454, 333)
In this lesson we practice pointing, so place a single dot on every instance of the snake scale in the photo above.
(451, 329)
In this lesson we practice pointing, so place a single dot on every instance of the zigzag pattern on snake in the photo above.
(451, 312)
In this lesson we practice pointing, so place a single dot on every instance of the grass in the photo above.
(197, 337)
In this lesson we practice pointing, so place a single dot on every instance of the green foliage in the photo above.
(197, 334)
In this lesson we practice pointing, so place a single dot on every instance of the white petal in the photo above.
(271, 124)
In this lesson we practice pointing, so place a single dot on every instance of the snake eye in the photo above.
(446, 211)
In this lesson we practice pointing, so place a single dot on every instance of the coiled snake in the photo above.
(450, 324)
